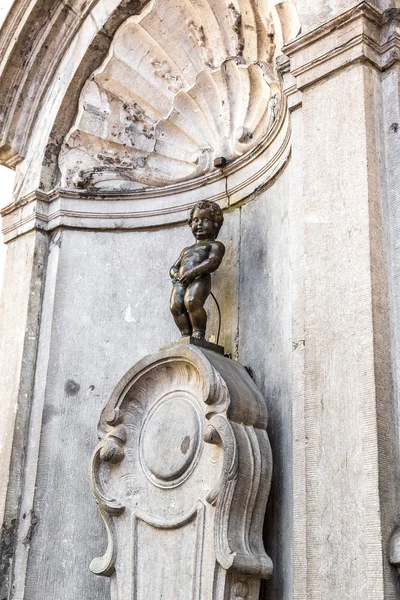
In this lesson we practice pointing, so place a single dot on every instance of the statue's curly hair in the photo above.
(215, 211)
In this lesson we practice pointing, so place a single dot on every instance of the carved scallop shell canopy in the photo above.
(186, 86)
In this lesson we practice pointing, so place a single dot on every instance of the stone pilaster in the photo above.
(20, 311)
(345, 446)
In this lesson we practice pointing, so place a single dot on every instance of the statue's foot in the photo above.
(199, 335)
(186, 334)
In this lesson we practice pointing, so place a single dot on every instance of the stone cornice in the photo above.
(362, 33)
(153, 207)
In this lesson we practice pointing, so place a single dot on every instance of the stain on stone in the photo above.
(55, 240)
(8, 540)
(394, 127)
(32, 529)
(391, 14)
(39, 270)
(185, 444)
(236, 345)
(300, 343)
(52, 152)
(250, 371)
(71, 387)
(49, 412)
(126, 9)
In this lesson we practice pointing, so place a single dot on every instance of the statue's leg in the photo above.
(195, 297)
(179, 311)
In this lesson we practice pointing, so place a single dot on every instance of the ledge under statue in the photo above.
(182, 471)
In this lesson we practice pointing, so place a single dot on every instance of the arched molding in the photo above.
(153, 207)
(48, 50)
(48, 55)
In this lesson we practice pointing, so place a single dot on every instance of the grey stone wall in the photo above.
(106, 306)
(265, 345)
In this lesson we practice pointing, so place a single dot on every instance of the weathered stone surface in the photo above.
(304, 295)
(44, 58)
(391, 222)
(44, 86)
(350, 428)
(127, 210)
(33, 41)
(77, 358)
(317, 13)
(265, 346)
(170, 100)
(95, 278)
(20, 311)
(181, 476)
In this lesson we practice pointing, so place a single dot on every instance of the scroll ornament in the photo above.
(181, 477)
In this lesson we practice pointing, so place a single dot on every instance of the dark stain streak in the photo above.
(72, 387)
(55, 240)
(250, 371)
(185, 444)
(49, 412)
(299, 343)
(8, 540)
(391, 14)
(32, 529)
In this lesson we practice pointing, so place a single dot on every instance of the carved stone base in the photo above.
(181, 476)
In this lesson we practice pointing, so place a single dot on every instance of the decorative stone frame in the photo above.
(183, 444)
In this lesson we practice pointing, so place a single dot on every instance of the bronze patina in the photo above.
(191, 273)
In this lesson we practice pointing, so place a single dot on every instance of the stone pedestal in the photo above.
(181, 476)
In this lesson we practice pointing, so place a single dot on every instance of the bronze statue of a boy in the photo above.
(191, 273)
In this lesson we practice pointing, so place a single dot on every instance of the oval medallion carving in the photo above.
(170, 441)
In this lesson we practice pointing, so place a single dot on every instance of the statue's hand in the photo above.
(186, 278)
(173, 272)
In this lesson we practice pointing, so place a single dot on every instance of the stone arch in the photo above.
(47, 74)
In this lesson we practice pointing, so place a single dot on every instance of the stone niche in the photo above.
(181, 476)
(187, 87)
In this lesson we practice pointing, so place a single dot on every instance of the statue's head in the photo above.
(206, 219)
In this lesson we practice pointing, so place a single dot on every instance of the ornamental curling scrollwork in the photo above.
(181, 476)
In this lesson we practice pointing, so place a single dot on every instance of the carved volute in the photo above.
(181, 476)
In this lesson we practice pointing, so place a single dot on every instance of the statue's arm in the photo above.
(175, 267)
(212, 263)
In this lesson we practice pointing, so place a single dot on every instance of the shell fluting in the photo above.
(184, 84)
